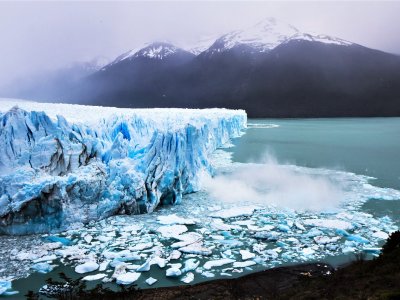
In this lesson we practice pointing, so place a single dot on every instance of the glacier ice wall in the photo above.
(57, 171)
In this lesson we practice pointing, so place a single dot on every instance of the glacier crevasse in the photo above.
(57, 172)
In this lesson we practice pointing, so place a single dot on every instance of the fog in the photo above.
(37, 36)
(271, 183)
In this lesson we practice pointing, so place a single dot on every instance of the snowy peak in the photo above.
(262, 37)
(267, 35)
(157, 51)
(326, 39)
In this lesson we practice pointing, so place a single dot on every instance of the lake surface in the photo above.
(368, 146)
(283, 168)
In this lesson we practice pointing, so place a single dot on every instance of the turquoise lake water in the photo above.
(367, 146)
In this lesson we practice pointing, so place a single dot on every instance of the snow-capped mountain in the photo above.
(155, 51)
(267, 35)
(261, 37)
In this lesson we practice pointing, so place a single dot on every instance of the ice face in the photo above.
(92, 162)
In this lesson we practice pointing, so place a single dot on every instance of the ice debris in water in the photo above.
(43, 267)
(127, 278)
(86, 267)
(263, 237)
(174, 219)
(188, 278)
(151, 281)
(6, 288)
(94, 277)
(217, 263)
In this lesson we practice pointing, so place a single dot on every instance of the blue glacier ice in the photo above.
(64, 165)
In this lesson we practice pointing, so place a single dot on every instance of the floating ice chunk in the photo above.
(218, 224)
(94, 277)
(4, 286)
(190, 265)
(246, 254)
(186, 239)
(348, 249)
(175, 254)
(174, 219)
(208, 274)
(132, 228)
(46, 258)
(173, 272)
(244, 222)
(308, 251)
(121, 254)
(141, 246)
(322, 240)
(342, 232)
(127, 278)
(299, 225)
(243, 264)
(51, 246)
(283, 228)
(87, 267)
(217, 263)
(326, 223)
(104, 265)
(232, 243)
(196, 248)
(62, 240)
(188, 278)
(43, 267)
(358, 239)
(104, 239)
(156, 260)
(380, 235)
(267, 235)
(172, 230)
(145, 267)
(234, 212)
(119, 270)
(264, 228)
(88, 238)
(151, 281)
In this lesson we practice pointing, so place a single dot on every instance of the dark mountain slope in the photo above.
(298, 78)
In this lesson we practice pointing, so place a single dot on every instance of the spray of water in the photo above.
(271, 183)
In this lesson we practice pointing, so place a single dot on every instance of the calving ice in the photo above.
(64, 165)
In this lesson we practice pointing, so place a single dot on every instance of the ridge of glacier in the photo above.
(58, 171)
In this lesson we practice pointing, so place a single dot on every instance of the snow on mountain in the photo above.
(326, 39)
(262, 37)
(158, 50)
(63, 164)
(266, 35)
(202, 44)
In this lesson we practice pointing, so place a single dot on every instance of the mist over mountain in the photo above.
(270, 69)
(50, 85)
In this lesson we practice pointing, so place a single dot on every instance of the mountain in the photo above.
(271, 70)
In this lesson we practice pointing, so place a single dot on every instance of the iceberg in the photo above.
(127, 278)
(86, 267)
(64, 165)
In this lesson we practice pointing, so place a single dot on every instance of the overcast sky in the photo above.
(42, 35)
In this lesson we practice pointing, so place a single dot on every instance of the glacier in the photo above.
(65, 165)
